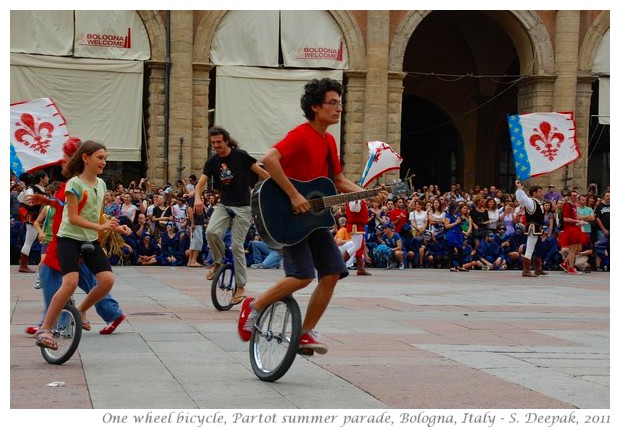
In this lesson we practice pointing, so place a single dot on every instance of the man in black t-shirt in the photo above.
(601, 215)
(230, 169)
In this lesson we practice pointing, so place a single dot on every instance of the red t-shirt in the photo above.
(304, 153)
(398, 224)
(51, 256)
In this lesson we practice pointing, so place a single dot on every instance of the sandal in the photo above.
(112, 326)
(45, 341)
(238, 299)
(462, 269)
(85, 323)
(212, 271)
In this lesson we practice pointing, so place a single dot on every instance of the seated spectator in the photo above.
(148, 250)
(264, 256)
(503, 239)
(433, 251)
(411, 246)
(491, 253)
(517, 246)
(471, 260)
(602, 252)
(548, 250)
(172, 247)
(392, 247)
(344, 242)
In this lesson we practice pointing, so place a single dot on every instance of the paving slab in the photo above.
(410, 339)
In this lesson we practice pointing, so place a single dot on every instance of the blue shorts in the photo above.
(317, 252)
(69, 257)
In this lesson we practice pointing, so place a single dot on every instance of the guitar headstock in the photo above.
(397, 187)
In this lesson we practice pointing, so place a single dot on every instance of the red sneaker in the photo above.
(572, 270)
(564, 266)
(247, 318)
(310, 341)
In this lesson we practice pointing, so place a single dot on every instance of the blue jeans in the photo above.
(107, 308)
(264, 255)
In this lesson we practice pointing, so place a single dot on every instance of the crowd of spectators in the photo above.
(479, 228)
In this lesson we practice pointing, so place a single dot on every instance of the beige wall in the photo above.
(548, 41)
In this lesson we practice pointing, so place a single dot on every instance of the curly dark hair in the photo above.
(221, 131)
(314, 93)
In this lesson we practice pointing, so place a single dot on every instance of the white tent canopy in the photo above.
(91, 64)
(601, 67)
(100, 99)
(258, 95)
(258, 106)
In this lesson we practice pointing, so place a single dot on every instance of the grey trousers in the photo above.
(218, 224)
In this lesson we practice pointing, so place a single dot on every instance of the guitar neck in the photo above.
(351, 196)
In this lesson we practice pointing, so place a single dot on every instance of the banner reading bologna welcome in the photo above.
(542, 142)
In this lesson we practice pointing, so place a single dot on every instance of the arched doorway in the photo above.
(462, 67)
(434, 131)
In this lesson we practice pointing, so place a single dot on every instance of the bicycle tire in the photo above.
(275, 339)
(223, 287)
(67, 332)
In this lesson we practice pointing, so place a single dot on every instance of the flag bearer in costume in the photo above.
(535, 218)
(357, 216)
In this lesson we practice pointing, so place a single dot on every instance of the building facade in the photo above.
(435, 85)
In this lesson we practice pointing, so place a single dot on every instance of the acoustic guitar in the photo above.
(278, 225)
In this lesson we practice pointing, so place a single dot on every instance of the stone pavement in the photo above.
(412, 339)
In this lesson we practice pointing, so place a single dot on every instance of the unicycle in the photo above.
(275, 339)
(223, 285)
(67, 332)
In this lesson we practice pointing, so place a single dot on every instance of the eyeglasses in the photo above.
(333, 103)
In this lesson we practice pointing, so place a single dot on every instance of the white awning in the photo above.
(247, 37)
(259, 106)
(311, 38)
(601, 68)
(100, 99)
(308, 39)
(113, 34)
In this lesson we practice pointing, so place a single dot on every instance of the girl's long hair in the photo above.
(75, 165)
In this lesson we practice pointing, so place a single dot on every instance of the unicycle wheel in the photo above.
(275, 339)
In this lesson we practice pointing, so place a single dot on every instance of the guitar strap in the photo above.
(330, 166)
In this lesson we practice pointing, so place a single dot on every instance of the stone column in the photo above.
(155, 124)
(376, 94)
(200, 123)
(582, 119)
(181, 77)
(394, 115)
(565, 90)
(354, 151)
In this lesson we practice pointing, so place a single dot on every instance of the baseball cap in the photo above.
(388, 225)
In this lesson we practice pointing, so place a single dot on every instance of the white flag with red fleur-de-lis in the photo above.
(38, 131)
(542, 142)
